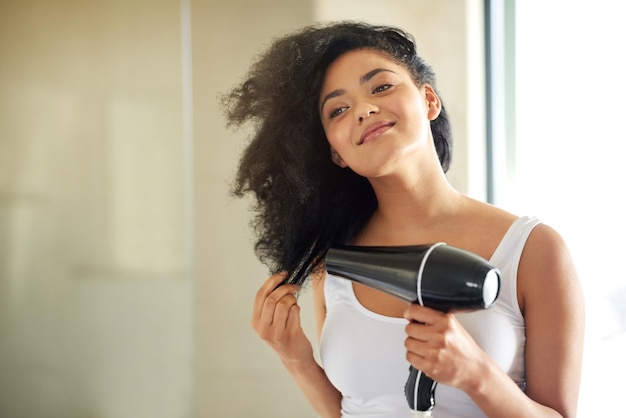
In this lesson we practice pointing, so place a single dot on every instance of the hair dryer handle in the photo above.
(420, 391)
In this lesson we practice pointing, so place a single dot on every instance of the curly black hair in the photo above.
(304, 202)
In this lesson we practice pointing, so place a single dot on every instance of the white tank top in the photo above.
(363, 352)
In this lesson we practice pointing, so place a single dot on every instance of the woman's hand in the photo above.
(276, 318)
(438, 345)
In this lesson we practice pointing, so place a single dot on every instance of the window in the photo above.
(558, 149)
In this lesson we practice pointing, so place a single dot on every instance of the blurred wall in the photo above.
(237, 375)
(95, 291)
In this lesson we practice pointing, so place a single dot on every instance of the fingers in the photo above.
(268, 287)
(427, 325)
(426, 333)
(419, 313)
(275, 308)
(436, 344)
(293, 318)
(278, 306)
(418, 342)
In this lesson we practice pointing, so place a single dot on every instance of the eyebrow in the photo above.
(364, 79)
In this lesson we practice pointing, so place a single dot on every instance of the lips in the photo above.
(375, 130)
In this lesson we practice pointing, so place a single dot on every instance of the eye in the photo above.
(382, 88)
(336, 112)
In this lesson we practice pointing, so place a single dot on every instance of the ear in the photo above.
(432, 101)
(334, 155)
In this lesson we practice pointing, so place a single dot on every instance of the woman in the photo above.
(351, 145)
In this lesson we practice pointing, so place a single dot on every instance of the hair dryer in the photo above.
(437, 276)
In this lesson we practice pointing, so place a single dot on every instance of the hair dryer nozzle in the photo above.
(438, 276)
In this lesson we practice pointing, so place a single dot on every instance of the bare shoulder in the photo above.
(546, 268)
(489, 213)
(483, 227)
(546, 251)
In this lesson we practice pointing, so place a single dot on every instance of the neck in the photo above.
(411, 207)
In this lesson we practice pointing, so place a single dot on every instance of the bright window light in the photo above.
(570, 162)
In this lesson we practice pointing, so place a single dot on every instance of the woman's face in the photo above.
(373, 113)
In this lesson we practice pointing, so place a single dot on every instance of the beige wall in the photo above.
(95, 291)
(236, 374)
(126, 271)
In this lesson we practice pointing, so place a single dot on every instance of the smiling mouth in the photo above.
(374, 131)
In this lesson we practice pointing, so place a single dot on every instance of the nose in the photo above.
(365, 110)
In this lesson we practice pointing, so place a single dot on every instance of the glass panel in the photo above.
(94, 274)
(569, 164)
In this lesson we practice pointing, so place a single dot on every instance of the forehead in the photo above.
(354, 64)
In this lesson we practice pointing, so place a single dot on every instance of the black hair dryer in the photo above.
(437, 276)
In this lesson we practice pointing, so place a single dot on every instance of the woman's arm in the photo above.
(551, 301)
(553, 306)
(276, 318)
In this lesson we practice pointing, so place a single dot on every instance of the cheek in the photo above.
(417, 117)
(338, 136)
